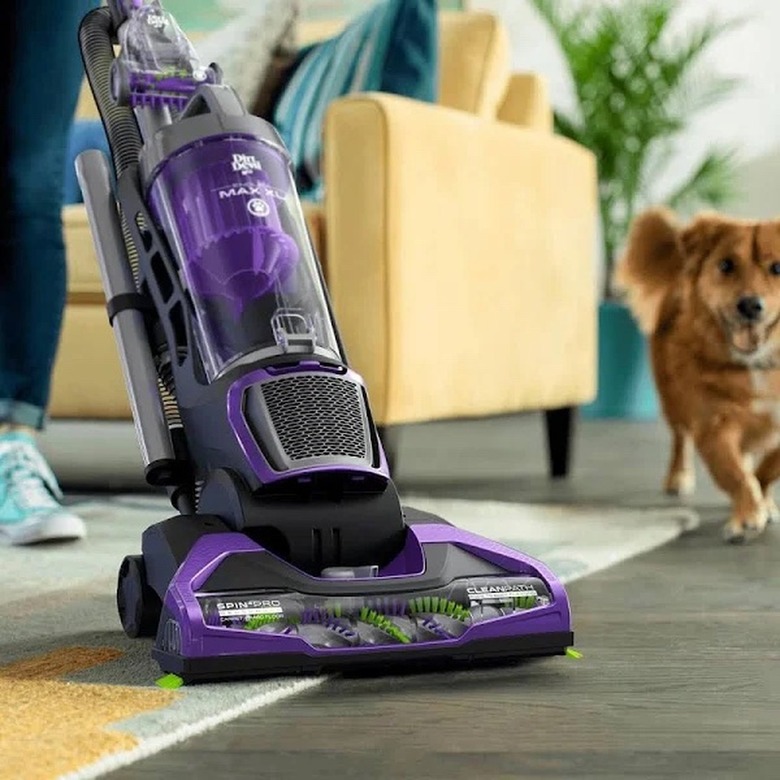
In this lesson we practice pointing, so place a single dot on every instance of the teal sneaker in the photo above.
(30, 509)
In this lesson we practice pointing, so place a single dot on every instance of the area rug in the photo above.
(78, 699)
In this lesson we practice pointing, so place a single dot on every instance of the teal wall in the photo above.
(204, 15)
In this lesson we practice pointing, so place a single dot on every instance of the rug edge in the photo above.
(149, 747)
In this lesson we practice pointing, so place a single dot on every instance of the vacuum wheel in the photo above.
(120, 83)
(138, 605)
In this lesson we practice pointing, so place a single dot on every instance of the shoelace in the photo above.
(28, 477)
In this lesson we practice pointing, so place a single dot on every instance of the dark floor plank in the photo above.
(679, 676)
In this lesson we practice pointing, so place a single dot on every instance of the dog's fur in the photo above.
(717, 372)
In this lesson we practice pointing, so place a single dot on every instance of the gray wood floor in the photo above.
(680, 675)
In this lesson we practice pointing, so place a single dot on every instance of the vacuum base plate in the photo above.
(479, 652)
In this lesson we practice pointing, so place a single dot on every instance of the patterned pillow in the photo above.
(245, 46)
(393, 47)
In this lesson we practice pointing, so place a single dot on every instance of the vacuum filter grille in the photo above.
(317, 417)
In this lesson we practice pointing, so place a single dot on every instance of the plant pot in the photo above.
(626, 389)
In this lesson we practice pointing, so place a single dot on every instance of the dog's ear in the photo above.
(699, 238)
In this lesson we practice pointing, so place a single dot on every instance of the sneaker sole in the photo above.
(57, 528)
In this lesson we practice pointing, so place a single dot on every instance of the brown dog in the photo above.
(708, 296)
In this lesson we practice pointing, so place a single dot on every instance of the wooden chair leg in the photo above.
(560, 432)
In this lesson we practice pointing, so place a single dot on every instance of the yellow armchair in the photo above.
(457, 241)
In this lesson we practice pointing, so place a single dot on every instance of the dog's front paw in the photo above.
(739, 530)
(734, 532)
(680, 483)
(772, 510)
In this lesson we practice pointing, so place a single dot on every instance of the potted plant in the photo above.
(638, 84)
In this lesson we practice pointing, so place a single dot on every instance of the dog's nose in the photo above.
(751, 307)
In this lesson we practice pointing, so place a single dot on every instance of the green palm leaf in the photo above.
(712, 183)
(637, 85)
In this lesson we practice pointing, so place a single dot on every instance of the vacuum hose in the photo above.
(96, 36)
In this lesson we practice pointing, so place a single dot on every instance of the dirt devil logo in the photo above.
(156, 21)
(246, 164)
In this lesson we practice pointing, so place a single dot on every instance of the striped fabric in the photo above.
(392, 47)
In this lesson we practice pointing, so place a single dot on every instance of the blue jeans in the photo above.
(42, 71)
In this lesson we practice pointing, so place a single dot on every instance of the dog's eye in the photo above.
(774, 269)
(727, 266)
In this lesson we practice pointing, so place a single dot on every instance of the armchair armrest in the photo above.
(527, 103)
(460, 256)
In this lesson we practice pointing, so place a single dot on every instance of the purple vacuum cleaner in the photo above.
(290, 551)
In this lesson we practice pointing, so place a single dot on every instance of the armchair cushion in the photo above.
(475, 62)
(527, 103)
(393, 47)
(244, 47)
